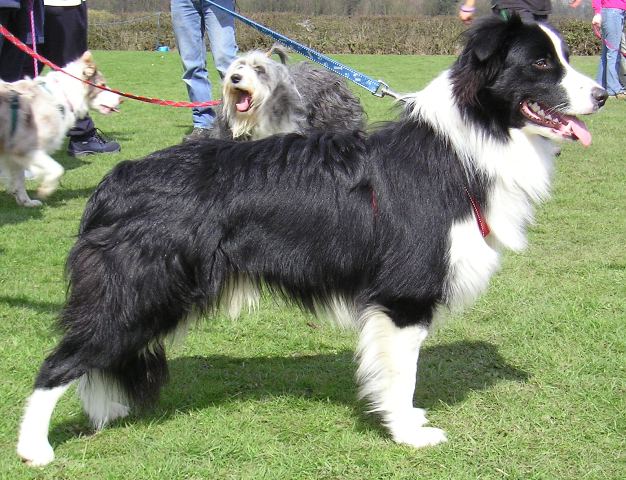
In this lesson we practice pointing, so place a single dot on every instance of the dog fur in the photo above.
(263, 97)
(382, 229)
(36, 115)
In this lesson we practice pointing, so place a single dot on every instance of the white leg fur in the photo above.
(338, 310)
(102, 399)
(387, 357)
(15, 186)
(33, 446)
(239, 292)
(44, 167)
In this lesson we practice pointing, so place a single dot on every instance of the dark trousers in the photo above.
(12, 59)
(526, 15)
(65, 41)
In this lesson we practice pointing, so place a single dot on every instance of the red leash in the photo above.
(33, 38)
(170, 103)
(596, 30)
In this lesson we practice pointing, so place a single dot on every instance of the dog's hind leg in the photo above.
(57, 373)
(387, 367)
(110, 379)
(33, 446)
(46, 169)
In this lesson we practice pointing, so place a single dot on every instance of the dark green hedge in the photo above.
(328, 34)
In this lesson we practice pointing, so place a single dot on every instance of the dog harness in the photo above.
(60, 107)
(15, 106)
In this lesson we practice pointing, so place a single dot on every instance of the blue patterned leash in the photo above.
(376, 87)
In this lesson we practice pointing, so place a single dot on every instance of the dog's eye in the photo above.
(541, 64)
(259, 69)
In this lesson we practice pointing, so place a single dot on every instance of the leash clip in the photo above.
(384, 90)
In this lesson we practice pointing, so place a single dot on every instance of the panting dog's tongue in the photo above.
(578, 128)
(243, 105)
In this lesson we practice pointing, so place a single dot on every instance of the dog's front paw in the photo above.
(419, 437)
(406, 418)
(407, 426)
(30, 203)
(35, 454)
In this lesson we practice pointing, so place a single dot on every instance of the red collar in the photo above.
(480, 220)
(374, 202)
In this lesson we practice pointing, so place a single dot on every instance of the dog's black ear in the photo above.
(489, 35)
(482, 57)
(280, 51)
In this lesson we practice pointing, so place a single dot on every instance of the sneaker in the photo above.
(96, 143)
(621, 95)
(196, 134)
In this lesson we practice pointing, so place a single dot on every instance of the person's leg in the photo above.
(188, 24)
(12, 59)
(622, 58)
(612, 26)
(66, 34)
(66, 40)
(220, 28)
(601, 73)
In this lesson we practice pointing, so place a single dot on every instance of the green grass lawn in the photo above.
(529, 383)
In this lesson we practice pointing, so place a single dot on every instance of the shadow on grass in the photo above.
(447, 374)
(11, 213)
(29, 304)
(63, 195)
(69, 162)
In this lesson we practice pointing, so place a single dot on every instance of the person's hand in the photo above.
(466, 14)
(575, 3)
(597, 20)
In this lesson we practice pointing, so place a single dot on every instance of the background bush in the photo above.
(418, 35)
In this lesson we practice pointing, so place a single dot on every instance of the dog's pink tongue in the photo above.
(243, 105)
(579, 129)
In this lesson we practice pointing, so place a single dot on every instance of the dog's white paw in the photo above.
(35, 454)
(30, 203)
(419, 437)
(407, 427)
(44, 191)
(409, 418)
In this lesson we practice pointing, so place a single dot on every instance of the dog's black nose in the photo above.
(235, 78)
(599, 95)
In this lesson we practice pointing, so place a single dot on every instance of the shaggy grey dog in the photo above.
(263, 97)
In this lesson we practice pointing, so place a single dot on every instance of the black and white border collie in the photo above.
(388, 231)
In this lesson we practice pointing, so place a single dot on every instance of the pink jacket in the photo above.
(598, 5)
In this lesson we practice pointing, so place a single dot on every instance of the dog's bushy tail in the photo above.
(278, 49)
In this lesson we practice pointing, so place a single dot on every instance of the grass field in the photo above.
(529, 383)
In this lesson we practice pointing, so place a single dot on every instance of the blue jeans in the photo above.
(608, 70)
(190, 20)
